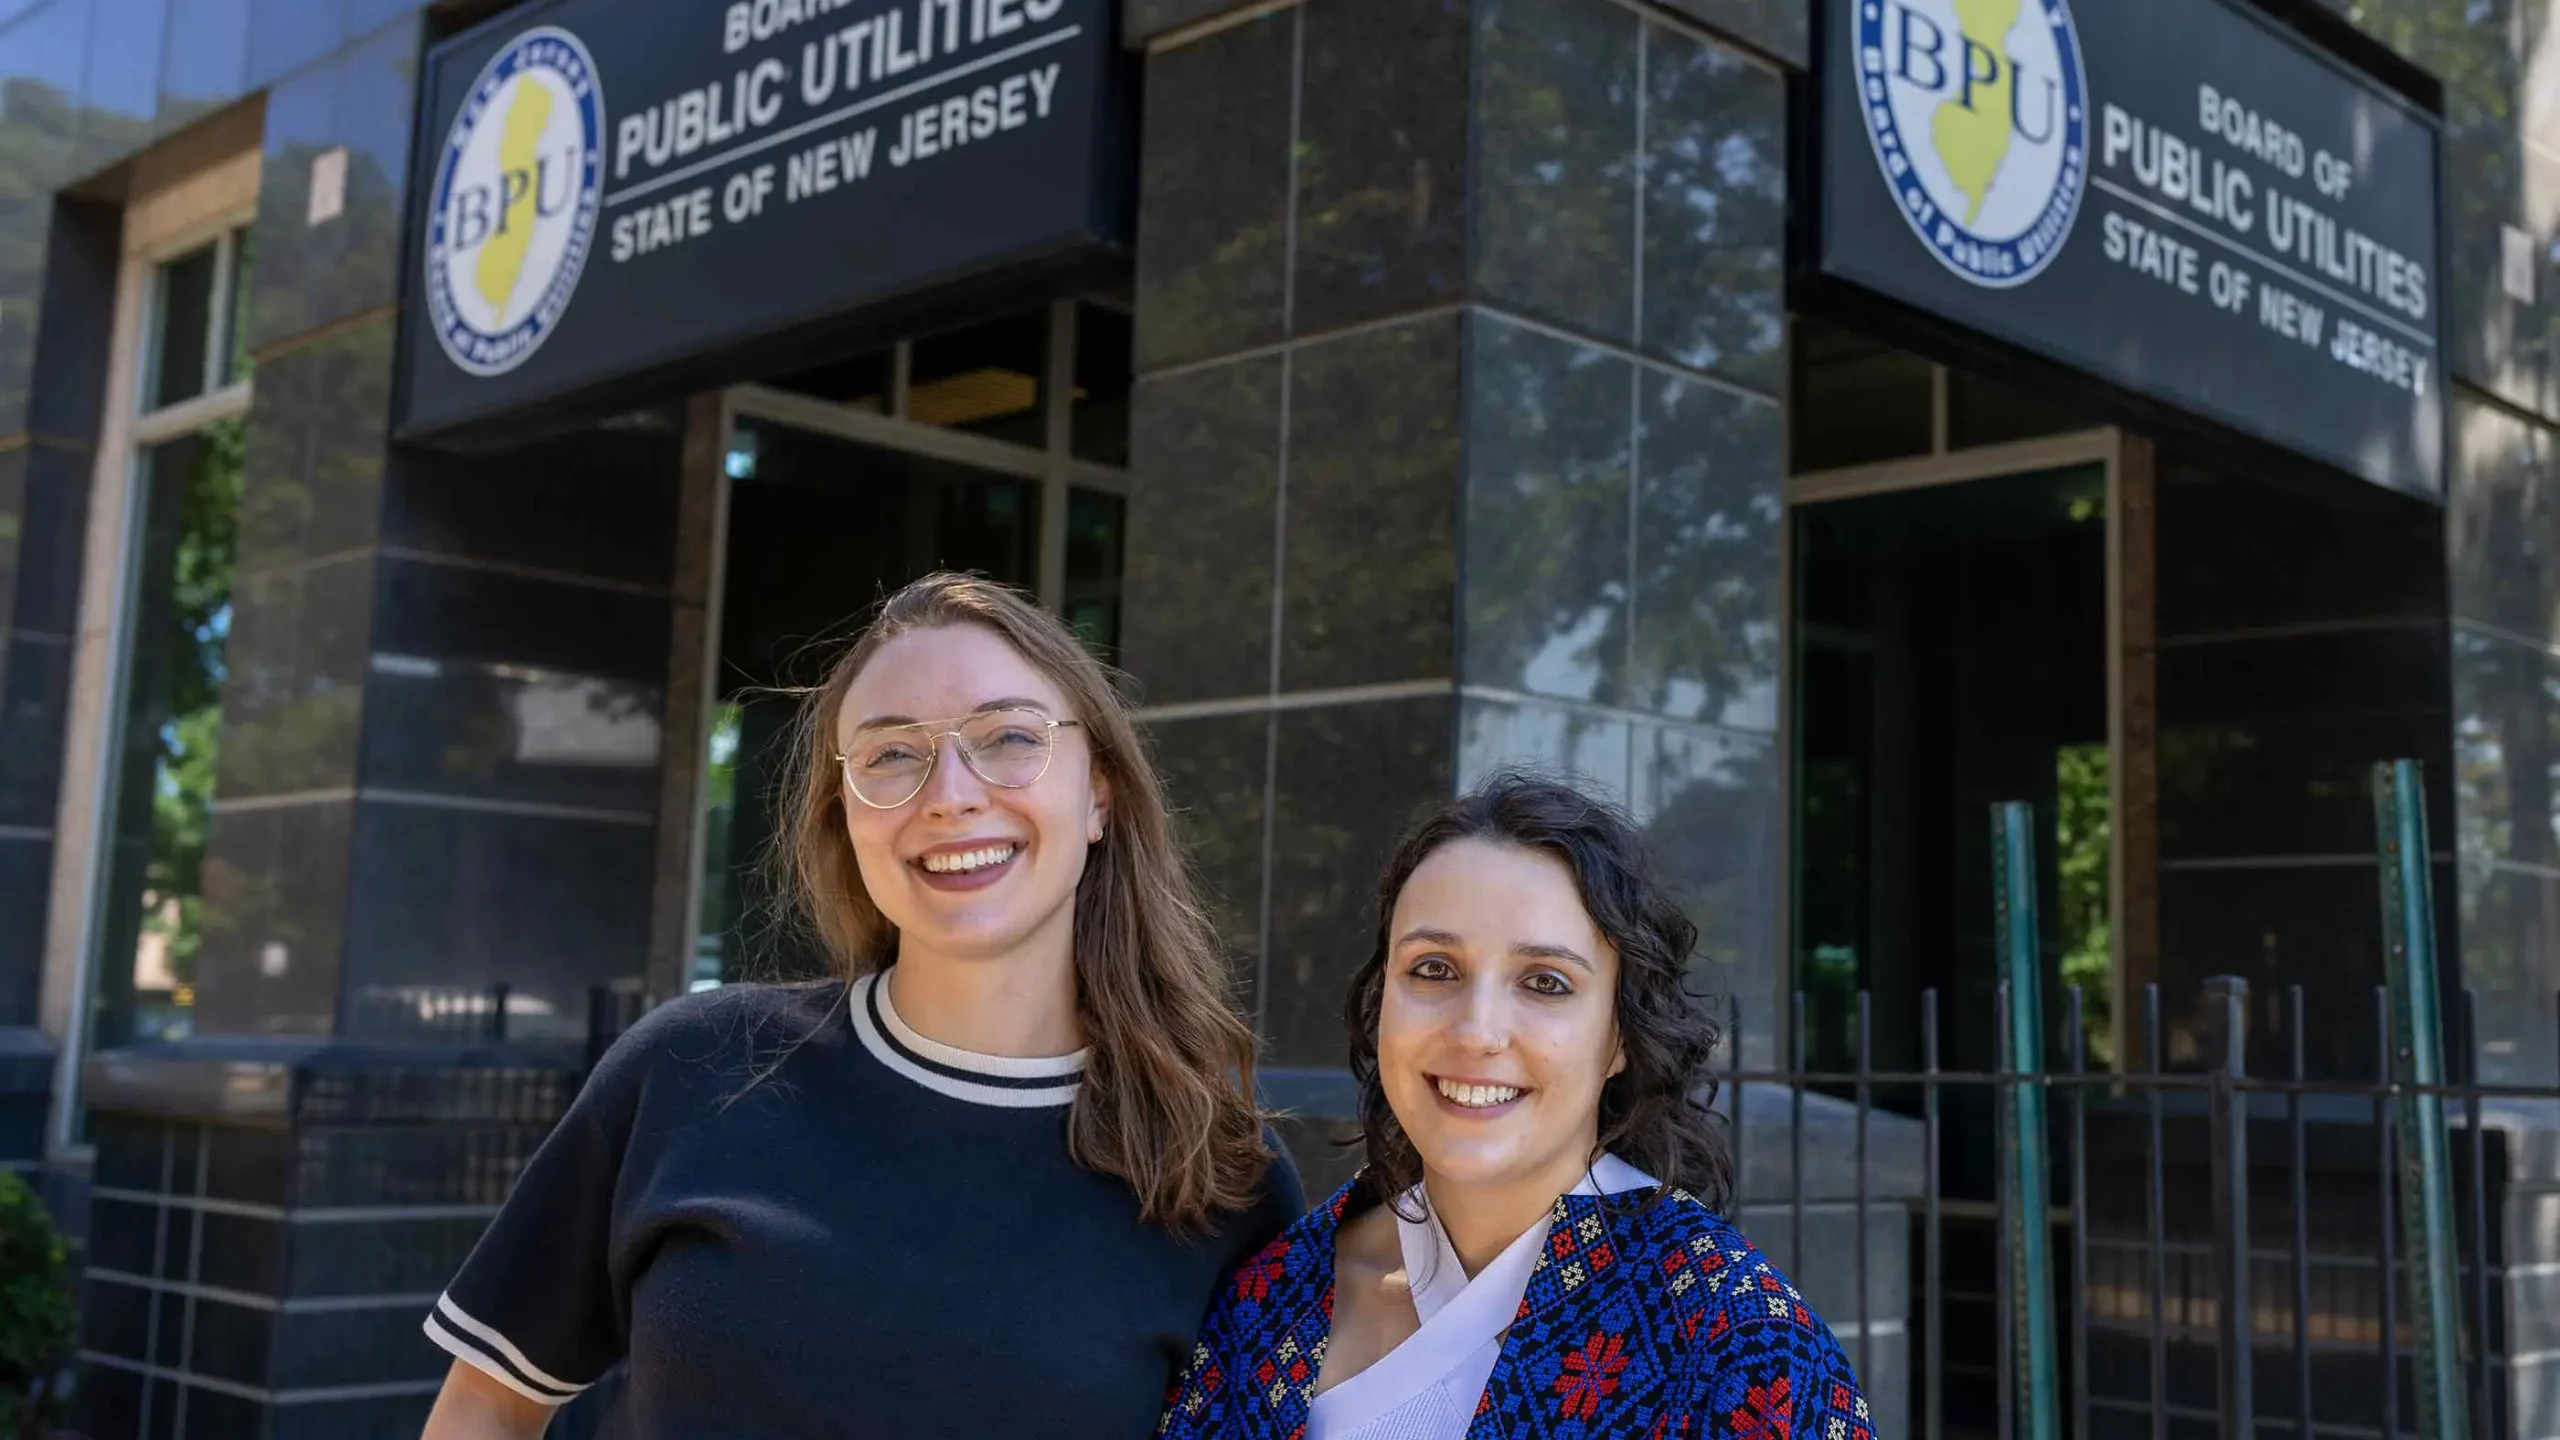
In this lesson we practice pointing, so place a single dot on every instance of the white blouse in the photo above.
(1427, 1387)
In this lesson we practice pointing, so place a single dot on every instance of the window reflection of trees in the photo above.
(172, 723)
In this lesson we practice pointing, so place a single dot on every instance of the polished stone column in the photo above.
(44, 497)
(440, 774)
(1457, 447)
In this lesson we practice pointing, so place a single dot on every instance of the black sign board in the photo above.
(606, 187)
(2178, 196)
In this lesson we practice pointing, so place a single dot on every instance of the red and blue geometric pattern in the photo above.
(1640, 1324)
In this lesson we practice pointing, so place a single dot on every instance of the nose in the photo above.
(1484, 1023)
(951, 788)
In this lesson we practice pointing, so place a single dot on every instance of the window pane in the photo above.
(1985, 412)
(985, 379)
(1101, 412)
(153, 924)
(235, 322)
(1855, 401)
(710, 966)
(858, 382)
(1092, 598)
(989, 525)
(181, 325)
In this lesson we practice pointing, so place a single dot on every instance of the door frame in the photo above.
(2132, 849)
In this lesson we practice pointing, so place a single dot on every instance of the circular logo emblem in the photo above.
(515, 201)
(1978, 111)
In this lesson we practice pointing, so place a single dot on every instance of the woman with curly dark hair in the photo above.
(1535, 1246)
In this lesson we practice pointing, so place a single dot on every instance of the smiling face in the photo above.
(967, 869)
(1497, 1023)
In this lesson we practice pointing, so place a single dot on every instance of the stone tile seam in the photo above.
(321, 334)
(1261, 701)
(271, 1304)
(2549, 649)
(416, 556)
(527, 572)
(1593, 710)
(430, 800)
(2478, 392)
(318, 1395)
(1759, 56)
(1567, 334)
(1198, 30)
(2522, 867)
(2306, 630)
(2204, 864)
(1255, 704)
(242, 574)
(304, 1215)
(30, 439)
(1272, 348)
(1193, 32)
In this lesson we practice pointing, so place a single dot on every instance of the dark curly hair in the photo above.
(1656, 1113)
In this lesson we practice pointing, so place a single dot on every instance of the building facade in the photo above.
(433, 441)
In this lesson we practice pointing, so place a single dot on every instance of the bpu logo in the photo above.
(1979, 114)
(515, 201)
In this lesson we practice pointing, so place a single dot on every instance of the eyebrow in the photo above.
(1009, 702)
(1428, 935)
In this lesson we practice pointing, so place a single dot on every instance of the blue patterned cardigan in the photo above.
(1639, 1324)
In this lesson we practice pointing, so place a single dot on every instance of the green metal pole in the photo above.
(2037, 1403)
(2417, 1054)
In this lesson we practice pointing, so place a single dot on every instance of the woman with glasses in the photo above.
(1534, 1248)
(984, 1182)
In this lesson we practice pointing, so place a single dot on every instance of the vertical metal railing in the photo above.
(2155, 1162)
(2299, 1173)
(2156, 1221)
(2226, 999)
(2026, 1215)
(1932, 1185)
(2409, 940)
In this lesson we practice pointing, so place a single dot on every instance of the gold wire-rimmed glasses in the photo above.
(1010, 749)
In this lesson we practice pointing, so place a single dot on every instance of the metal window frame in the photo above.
(134, 433)
(223, 237)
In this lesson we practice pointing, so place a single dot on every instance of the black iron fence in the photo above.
(2230, 1252)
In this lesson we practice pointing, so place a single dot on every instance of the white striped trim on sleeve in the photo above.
(494, 1355)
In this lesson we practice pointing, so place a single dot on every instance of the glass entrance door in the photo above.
(1952, 646)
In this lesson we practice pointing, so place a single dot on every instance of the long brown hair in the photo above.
(1166, 1102)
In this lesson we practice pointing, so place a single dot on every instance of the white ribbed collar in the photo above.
(1001, 1080)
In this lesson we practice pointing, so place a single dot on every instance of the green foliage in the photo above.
(35, 1299)
(198, 615)
(2083, 823)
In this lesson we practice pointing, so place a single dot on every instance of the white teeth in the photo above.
(963, 861)
(1478, 1097)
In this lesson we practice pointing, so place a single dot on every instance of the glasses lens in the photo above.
(1008, 748)
(887, 769)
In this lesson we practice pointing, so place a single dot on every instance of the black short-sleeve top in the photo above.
(797, 1217)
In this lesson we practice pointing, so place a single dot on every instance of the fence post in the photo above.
(2022, 1129)
(2417, 1063)
(2227, 1020)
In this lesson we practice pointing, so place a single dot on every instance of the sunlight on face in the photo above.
(1497, 1027)
(968, 869)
